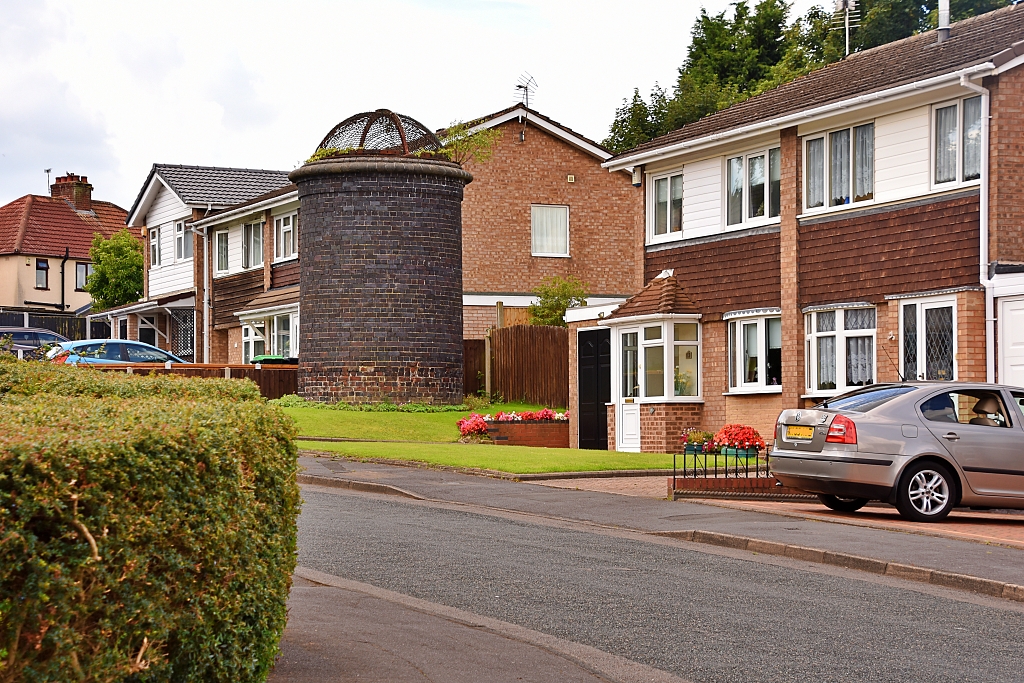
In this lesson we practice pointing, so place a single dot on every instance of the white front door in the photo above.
(1011, 342)
(627, 426)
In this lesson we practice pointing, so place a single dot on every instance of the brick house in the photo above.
(860, 224)
(174, 305)
(44, 249)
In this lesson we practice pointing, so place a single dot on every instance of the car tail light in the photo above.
(842, 430)
(60, 358)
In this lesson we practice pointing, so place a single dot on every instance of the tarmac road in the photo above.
(700, 615)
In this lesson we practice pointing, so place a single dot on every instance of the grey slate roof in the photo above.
(995, 36)
(221, 187)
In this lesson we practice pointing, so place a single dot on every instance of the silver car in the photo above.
(925, 447)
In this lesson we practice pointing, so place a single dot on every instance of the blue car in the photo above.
(108, 352)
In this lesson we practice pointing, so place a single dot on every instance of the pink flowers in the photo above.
(528, 416)
(474, 424)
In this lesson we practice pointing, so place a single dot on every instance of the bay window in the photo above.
(549, 227)
(286, 236)
(755, 352)
(753, 187)
(957, 143)
(661, 360)
(840, 348)
(839, 167)
(252, 245)
(668, 205)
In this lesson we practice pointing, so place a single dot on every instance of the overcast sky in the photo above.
(106, 89)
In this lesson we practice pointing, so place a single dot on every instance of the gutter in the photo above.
(983, 255)
(783, 121)
(245, 210)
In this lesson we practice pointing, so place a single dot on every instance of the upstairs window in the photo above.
(958, 141)
(550, 230)
(840, 349)
(755, 353)
(221, 240)
(286, 243)
(753, 187)
(154, 247)
(839, 167)
(42, 273)
(668, 205)
(182, 241)
(82, 273)
(252, 245)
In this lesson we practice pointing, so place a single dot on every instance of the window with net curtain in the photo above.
(838, 338)
(550, 230)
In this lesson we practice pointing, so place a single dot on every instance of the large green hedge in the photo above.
(142, 540)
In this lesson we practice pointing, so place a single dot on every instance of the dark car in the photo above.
(26, 341)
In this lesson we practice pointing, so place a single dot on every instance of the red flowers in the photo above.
(739, 436)
(474, 424)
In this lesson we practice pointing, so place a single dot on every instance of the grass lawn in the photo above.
(515, 459)
(388, 426)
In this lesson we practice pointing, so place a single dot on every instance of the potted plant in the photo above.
(739, 440)
(696, 441)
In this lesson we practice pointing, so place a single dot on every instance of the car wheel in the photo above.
(926, 492)
(840, 504)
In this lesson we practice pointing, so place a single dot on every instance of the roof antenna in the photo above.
(847, 14)
(526, 86)
(47, 170)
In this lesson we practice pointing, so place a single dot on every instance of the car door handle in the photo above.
(951, 437)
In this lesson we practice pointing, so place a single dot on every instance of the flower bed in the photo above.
(544, 428)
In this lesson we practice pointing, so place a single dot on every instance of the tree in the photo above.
(117, 270)
(554, 295)
(460, 144)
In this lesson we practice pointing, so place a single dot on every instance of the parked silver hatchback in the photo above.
(925, 447)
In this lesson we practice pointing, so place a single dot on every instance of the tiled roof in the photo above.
(44, 226)
(279, 192)
(661, 296)
(971, 41)
(202, 185)
(283, 296)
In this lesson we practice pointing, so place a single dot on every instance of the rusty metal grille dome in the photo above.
(381, 131)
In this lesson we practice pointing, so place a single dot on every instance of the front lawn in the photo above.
(513, 459)
(429, 427)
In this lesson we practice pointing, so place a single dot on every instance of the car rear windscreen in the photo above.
(865, 400)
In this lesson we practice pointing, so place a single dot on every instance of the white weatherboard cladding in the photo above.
(171, 276)
(901, 155)
(702, 198)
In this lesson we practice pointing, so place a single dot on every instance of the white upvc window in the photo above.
(928, 345)
(182, 241)
(154, 247)
(839, 167)
(252, 245)
(755, 354)
(82, 273)
(956, 142)
(254, 340)
(220, 240)
(285, 341)
(286, 236)
(666, 201)
(840, 349)
(753, 188)
(549, 230)
(660, 361)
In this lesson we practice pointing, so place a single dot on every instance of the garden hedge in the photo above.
(145, 539)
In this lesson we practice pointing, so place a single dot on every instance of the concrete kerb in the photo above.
(964, 582)
(355, 485)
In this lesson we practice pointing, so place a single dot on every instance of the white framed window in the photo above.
(286, 236)
(753, 187)
(182, 241)
(660, 361)
(42, 273)
(252, 245)
(154, 247)
(956, 142)
(666, 202)
(549, 227)
(221, 246)
(82, 273)
(755, 354)
(839, 167)
(286, 335)
(254, 340)
(928, 339)
(840, 349)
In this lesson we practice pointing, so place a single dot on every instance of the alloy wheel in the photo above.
(928, 492)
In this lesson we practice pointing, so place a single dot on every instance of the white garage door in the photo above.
(1011, 341)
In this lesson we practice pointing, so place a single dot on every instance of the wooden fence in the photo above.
(274, 381)
(474, 366)
(531, 364)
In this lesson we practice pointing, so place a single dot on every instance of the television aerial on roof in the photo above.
(524, 90)
(847, 15)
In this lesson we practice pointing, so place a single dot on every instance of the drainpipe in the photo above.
(67, 253)
(943, 21)
(983, 260)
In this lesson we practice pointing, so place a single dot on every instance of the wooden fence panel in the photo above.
(531, 364)
(274, 381)
(474, 365)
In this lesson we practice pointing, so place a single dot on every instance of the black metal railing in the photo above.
(726, 463)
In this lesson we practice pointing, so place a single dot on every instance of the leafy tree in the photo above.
(460, 144)
(554, 295)
(117, 270)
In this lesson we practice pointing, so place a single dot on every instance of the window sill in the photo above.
(824, 394)
(775, 220)
(42, 289)
(753, 391)
(550, 255)
(661, 239)
(287, 259)
(655, 400)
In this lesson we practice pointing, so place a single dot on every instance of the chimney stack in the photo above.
(75, 190)
(943, 20)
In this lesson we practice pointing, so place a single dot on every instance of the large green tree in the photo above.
(117, 270)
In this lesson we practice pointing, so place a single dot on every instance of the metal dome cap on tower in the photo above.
(379, 132)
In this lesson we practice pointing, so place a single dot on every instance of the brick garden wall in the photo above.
(660, 429)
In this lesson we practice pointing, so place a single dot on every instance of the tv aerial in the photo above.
(846, 15)
(525, 88)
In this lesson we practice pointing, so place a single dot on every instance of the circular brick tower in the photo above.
(380, 254)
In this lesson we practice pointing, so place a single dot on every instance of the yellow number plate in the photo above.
(799, 432)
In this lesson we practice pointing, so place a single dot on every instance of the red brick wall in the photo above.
(908, 249)
(970, 336)
(605, 218)
(235, 345)
(476, 320)
(1006, 201)
(793, 365)
(660, 429)
(574, 383)
(542, 434)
